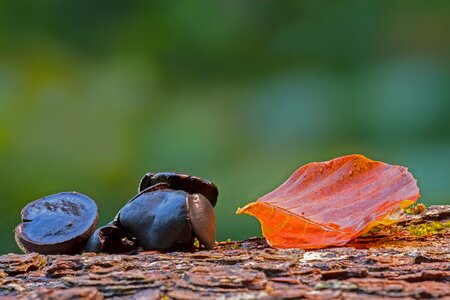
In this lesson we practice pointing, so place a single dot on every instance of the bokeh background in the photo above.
(93, 94)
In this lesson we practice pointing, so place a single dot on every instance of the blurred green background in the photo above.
(93, 94)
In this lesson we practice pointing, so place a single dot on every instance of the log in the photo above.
(410, 259)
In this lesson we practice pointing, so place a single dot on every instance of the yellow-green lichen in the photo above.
(416, 209)
(196, 243)
(428, 228)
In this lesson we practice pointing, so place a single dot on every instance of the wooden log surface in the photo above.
(399, 261)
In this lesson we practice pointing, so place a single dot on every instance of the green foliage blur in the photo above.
(93, 94)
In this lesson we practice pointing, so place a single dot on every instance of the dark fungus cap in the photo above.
(57, 224)
(111, 239)
(164, 219)
(177, 181)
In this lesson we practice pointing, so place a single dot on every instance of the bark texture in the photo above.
(392, 262)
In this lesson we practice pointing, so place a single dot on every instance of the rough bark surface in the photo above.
(392, 262)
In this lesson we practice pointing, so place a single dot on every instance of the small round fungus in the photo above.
(57, 224)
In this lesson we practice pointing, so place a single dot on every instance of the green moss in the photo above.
(376, 229)
(372, 231)
(428, 228)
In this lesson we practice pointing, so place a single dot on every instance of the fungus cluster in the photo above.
(170, 211)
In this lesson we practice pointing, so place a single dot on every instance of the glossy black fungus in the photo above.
(110, 239)
(166, 220)
(156, 187)
(57, 224)
(188, 183)
(202, 218)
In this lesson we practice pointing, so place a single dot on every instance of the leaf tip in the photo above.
(244, 210)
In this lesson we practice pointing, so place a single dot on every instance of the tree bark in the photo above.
(393, 262)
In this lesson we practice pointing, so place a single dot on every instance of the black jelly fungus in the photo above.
(177, 181)
(57, 224)
(156, 187)
(159, 220)
(110, 239)
(203, 221)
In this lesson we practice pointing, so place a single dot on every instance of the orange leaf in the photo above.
(330, 203)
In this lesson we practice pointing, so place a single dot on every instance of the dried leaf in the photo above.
(330, 203)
